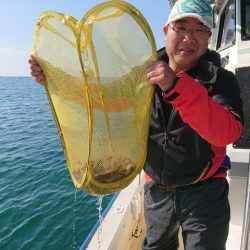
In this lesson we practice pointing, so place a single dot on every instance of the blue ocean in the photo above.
(39, 205)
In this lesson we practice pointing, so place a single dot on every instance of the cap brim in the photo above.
(180, 16)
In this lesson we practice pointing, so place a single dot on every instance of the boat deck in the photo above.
(123, 227)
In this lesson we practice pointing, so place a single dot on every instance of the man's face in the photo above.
(185, 40)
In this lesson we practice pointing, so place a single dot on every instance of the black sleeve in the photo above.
(227, 93)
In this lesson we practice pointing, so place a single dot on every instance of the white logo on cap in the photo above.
(196, 6)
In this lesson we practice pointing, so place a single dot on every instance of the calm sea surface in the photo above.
(39, 206)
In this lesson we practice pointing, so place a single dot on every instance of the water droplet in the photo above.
(100, 217)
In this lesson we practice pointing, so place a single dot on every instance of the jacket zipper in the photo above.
(166, 133)
(167, 128)
(171, 117)
(197, 146)
(164, 140)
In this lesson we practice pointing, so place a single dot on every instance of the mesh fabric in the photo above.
(98, 91)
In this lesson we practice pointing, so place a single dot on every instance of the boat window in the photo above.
(245, 20)
(227, 27)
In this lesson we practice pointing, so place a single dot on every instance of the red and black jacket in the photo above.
(192, 123)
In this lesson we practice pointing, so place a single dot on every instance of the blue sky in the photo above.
(18, 19)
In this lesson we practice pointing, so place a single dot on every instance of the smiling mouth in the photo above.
(186, 50)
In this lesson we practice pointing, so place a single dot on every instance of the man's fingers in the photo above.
(32, 62)
(39, 79)
(151, 74)
(36, 73)
(33, 59)
(154, 80)
(36, 68)
(151, 66)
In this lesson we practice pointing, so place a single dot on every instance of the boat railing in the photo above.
(246, 221)
(97, 225)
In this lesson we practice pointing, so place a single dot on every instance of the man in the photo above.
(196, 112)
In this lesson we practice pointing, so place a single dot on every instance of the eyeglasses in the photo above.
(182, 31)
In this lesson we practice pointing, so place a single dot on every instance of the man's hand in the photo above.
(161, 74)
(36, 71)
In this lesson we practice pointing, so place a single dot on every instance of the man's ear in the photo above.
(165, 29)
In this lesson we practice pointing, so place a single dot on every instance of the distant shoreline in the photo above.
(17, 76)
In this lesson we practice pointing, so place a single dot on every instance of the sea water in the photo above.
(39, 206)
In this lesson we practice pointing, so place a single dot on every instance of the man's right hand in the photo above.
(159, 73)
(36, 71)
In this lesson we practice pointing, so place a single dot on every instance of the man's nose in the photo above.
(189, 35)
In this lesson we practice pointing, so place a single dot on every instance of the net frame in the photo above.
(88, 182)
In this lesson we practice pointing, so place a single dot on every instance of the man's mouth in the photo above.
(186, 50)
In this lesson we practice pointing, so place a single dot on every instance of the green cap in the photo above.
(199, 9)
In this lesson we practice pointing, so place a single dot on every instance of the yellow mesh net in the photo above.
(98, 92)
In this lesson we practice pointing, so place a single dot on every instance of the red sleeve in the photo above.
(208, 118)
